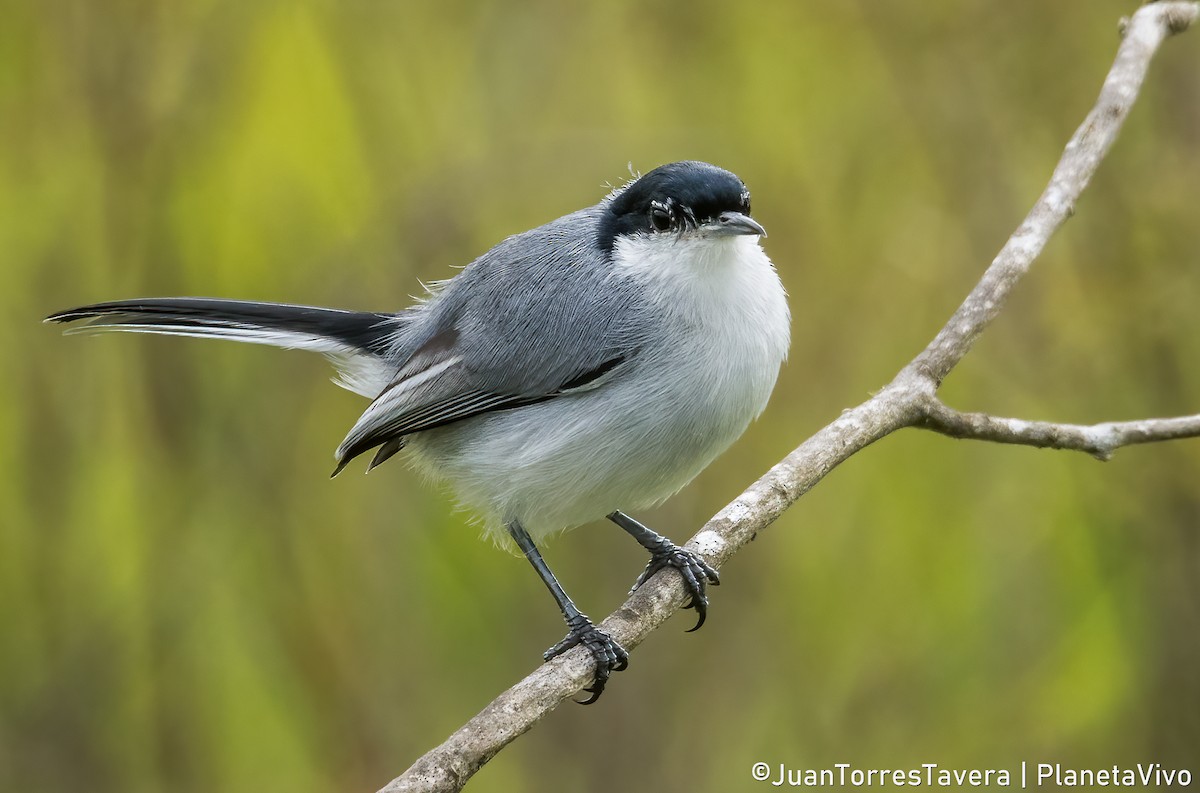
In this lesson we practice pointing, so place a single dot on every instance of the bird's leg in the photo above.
(610, 656)
(663, 553)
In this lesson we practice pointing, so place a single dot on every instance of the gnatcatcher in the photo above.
(593, 364)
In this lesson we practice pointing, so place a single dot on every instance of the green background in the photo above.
(187, 603)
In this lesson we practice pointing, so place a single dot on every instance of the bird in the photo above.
(589, 366)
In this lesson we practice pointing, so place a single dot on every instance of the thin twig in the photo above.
(1098, 440)
(907, 401)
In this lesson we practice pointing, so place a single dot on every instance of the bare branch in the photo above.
(1142, 36)
(909, 400)
(1098, 440)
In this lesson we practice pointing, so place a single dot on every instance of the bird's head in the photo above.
(680, 200)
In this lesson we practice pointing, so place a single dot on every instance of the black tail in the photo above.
(357, 341)
(359, 329)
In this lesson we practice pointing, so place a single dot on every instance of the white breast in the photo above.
(730, 328)
(724, 297)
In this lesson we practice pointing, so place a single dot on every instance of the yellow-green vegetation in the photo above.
(187, 603)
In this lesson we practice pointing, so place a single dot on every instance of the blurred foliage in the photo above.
(189, 604)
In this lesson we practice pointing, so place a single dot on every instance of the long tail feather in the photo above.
(357, 342)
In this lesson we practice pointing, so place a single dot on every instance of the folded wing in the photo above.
(436, 388)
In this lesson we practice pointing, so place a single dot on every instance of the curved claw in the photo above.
(696, 574)
(610, 656)
(701, 608)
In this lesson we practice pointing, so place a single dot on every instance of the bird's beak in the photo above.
(735, 223)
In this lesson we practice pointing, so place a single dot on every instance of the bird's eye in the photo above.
(660, 217)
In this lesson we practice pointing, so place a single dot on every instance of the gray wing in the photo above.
(538, 316)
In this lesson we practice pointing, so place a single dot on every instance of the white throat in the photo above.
(707, 278)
